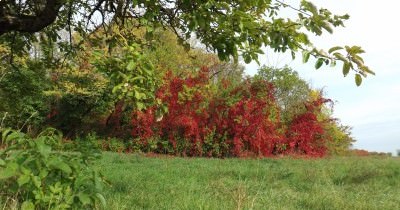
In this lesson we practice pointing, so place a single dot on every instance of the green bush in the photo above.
(39, 177)
(116, 145)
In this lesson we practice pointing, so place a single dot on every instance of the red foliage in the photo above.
(240, 122)
(360, 152)
(113, 121)
(53, 113)
(305, 134)
(143, 121)
(248, 122)
(185, 118)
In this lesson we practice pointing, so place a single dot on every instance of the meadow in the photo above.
(163, 182)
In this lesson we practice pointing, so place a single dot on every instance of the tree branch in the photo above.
(293, 8)
(30, 23)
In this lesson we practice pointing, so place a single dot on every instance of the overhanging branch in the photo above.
(30, 23)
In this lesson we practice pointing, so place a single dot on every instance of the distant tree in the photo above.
(22, 84)
(291, 91)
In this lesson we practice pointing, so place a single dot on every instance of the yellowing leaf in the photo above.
(306, 56)
(335, 49)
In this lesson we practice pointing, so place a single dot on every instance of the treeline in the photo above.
(164, 98)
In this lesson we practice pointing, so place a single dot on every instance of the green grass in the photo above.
(196, 183)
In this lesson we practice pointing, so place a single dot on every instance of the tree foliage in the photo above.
(290, 90)
(22, 85)
(231, 28)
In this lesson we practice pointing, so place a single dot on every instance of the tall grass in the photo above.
(139, 182)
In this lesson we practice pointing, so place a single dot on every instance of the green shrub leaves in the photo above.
(43, 178)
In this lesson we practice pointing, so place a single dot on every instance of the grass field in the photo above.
(140, 182)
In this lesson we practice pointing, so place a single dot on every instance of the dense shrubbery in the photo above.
(241, 120)
(35, 174)
(134, 97)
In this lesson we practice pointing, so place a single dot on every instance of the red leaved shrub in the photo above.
(306, 133)
(250, 122)
(237, 121)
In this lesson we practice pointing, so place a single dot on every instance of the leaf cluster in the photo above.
(231, 28)
(132, 75)
(38, 176)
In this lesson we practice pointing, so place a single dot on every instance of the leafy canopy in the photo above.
(231, 28)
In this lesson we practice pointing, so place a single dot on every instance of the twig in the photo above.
(294, 8)
(26, 121)
(2, 120)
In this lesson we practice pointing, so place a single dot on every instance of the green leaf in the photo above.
(192, 24)
(25, 170)
(10, 171)
(201, 21)
(367, 70)
(293, 55)
(64, 167)
(319, 63)
(131, 65)
(309, 6)
(37, 181)
(358, 58)
(56, 188)
(43, 173)
(101, 198)
(140, 106)
(23, 180)
(58, 164)
(84, 198)
(358, 79)
(241, 25)
(340, 57)
(27, 205)
(14, 136)
(306, 56)
(137, 94)
(5, 134)
(346, 68)
(43, 149)
(138, 78)
(247, 58)
(333, 63)
(355, 50)
(333, 49)
(2, 162)
(357, 61)
(327, 27)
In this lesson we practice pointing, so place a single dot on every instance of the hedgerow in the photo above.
(242, 120)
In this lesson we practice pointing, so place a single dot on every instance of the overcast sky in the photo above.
(373, 108)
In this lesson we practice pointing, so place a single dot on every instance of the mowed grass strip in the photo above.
(139, 182)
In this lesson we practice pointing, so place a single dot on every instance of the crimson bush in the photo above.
(235, 122)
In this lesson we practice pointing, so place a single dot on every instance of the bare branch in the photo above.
(293, 8)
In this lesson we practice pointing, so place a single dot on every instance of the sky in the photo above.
(373, 108)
